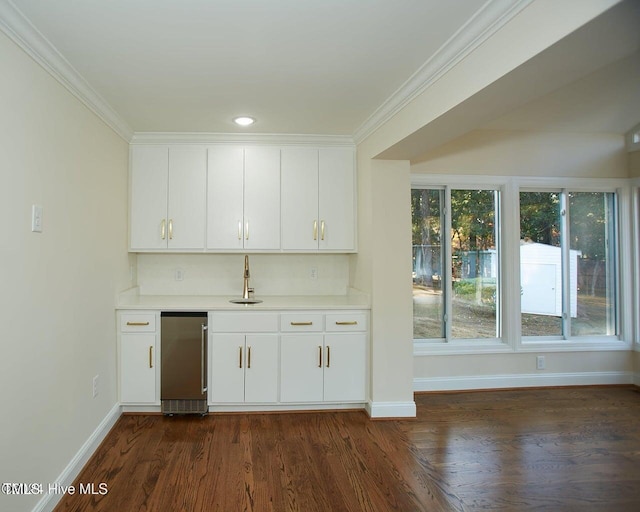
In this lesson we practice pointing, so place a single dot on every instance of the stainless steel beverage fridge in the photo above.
(183, 369)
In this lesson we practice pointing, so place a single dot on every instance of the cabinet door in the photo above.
(261, 368)
(261, 198)
(336, 199)
(301, 368)
(138, 368)
(226, 363)
(299, 173)
(187, 197)
(148, 202)
(345, 367)
(225, 198)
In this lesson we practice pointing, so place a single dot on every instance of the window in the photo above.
(428, 297)
(567, 263)
(456, 263)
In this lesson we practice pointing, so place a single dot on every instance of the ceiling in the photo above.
(319, 67)
(314, 67)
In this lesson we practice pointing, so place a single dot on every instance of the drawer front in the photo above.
(346, 322)
(243, 322)
(301, 322)
(138, 322)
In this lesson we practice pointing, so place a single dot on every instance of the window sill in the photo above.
(496, 346)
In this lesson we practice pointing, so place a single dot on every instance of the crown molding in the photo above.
(281, 139)
(22, 32)
(481, 26)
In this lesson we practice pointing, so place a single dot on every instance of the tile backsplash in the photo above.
(221, 274)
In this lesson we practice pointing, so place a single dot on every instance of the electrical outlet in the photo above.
(179, 275)
(540, 363)
(313, 274)
(95, 386)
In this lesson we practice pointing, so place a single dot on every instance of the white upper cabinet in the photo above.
(149, 185)
(318, 199)
(236, 198)
(243, 198)
(336, 198)
(168, 198)
(299, 174)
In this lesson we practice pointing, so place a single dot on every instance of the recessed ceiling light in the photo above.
(244, 120)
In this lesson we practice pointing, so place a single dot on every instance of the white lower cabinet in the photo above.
(138, 345)
(345, 367)
(301, 369)
(244, 368)
(243, 357)
(256, 358)
(325, 365)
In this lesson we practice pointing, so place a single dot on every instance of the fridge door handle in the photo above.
(202, 360)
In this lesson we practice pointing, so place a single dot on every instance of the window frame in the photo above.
(447, 343)
(565, 247)
(508, 231)
(635, 226)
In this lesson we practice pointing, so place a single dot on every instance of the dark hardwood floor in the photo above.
(546, 449)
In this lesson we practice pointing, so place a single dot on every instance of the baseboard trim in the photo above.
(69, 474)
(391, 409)
(464, 383)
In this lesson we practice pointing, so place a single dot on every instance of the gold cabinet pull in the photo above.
(352, 322)
(319, 356)
(170, 229)
(239, 230)
(138, 323)
(321, 230)
(150, 356)
(163, 229)
(315, 229)
(328, 356)
(248, 357)
(301, 323)
(240, 358)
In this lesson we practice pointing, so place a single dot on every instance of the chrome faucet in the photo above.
(245, 289)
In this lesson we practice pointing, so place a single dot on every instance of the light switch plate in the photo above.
(36, 218)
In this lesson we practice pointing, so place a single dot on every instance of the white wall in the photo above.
(58, 287)
(520, 153)
(222, 274)
(634, 164)
(382, 268)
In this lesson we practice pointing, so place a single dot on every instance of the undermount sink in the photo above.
(245, 301)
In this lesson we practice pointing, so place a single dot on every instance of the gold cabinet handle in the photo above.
(239, 230)
(246, 230)
(321, 230)
(319, 356)
(150, 356)
(328, 356)
(353, 322)
(170, 229)
(163, 229)
(248, 357)
(138, 323)
(301, 323)
(315, 229)
(240, 358)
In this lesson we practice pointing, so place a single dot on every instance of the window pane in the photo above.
(428, 300)
(591, 231)
(540, 264)
(474, 264)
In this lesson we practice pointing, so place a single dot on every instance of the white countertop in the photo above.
(218, 302)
